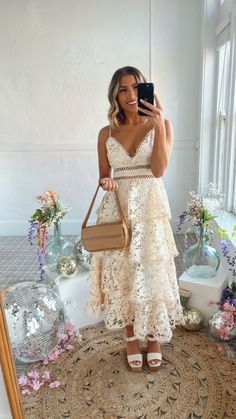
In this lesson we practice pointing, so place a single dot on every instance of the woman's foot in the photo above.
(134, 356)
(154, 355)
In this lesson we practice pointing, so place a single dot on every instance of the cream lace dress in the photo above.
(137, 285)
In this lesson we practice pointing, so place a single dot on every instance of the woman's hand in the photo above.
(154, 113)
(108, 184)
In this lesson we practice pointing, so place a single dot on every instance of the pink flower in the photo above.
(46, 375)
(23, 380)
(54, 384)
(36, 385)
(63, 338)
(228, 319)
(68, 347)
(219, 347)
(53, 355)
(228, 307)
(224, 333)
(210, 302)
(33, 374)
(70, 327)
(25, 391)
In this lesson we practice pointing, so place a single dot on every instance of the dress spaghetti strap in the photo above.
(109, 131)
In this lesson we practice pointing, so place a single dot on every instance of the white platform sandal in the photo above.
(134, 358)
(153, 356)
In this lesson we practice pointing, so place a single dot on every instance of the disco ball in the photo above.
(67, 266)
(35, 317)
(217, 322)
(82, 255)
(193, 319)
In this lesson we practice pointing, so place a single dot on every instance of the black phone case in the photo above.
(145, 92)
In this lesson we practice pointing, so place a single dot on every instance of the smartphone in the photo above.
(145, 92)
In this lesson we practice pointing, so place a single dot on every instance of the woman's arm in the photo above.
(107, 183)
(164, 137)
(162, 148)
(103, 163)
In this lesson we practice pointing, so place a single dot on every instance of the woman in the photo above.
(136, 288)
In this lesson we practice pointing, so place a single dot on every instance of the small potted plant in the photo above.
(201, 259)
(49, 214)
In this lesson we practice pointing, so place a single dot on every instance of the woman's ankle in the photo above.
(129, 330)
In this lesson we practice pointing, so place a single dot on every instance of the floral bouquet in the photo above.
(201, 210)
(199, 213)
(50, 213)
(227, 304)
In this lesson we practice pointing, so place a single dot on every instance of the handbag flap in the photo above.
(102, 230)
(104, 237)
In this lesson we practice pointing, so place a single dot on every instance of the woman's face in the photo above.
(128, 93)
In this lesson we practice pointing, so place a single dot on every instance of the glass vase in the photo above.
(57, 247)
(201, 260)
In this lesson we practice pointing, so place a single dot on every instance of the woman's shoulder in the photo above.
(103, 135)
(104, 132)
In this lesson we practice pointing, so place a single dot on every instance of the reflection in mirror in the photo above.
(8, 376)
(5, 408)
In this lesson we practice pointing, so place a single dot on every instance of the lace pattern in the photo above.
(137, 285)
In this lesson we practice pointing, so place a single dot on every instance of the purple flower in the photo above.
(181, 221)
(32, 232)
(231, 259)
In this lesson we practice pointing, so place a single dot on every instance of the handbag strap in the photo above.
(121, 211)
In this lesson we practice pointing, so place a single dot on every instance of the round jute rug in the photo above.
(194, 381)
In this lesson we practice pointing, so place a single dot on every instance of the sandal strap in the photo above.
(131, 338)
(152, 339)
(154, 356)
(135, 357)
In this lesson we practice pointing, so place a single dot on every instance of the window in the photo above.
(224, 160)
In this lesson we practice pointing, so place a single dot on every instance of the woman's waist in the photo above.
(132, 172)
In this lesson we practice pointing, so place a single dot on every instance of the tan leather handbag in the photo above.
(109, 236)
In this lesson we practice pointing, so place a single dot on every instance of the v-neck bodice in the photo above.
(118, 156)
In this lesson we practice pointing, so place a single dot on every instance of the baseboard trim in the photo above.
(70, 227)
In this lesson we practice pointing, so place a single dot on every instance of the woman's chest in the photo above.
(118, 155)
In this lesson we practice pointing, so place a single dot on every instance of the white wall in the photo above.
(176, 70)
(57, 58)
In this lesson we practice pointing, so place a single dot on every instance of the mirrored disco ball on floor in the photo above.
(82, 256)
(35, 317)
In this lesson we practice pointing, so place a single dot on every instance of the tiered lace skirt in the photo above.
(138, 285)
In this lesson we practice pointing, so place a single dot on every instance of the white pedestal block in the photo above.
(74, 294)
(203, 290)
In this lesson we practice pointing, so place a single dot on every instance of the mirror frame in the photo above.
(8, 365)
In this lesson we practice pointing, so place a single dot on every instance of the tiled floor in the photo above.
(18, 260)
